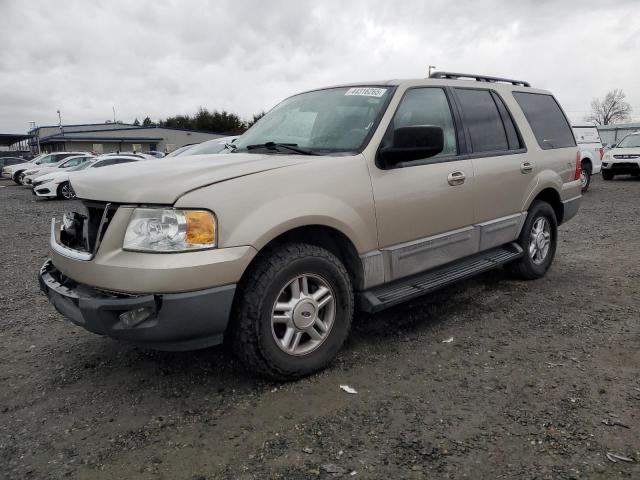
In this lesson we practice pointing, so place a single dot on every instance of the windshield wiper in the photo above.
(230, 146)
(292, 147)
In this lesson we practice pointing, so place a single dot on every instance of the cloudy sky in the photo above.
(161, 58)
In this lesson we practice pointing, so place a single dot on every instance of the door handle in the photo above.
(456, 178)
(526, 167)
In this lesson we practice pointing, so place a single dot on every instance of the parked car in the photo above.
(73, 161)
(591, 151)
(217, 145)
(358, 196)
(141, 156)
(58, 184)
(155, 153)
(178, 151)
(16, 172)
(9, 161)
(623, 158)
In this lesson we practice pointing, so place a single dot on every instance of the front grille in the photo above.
(83, 231)
(625, 165)
(629, 156)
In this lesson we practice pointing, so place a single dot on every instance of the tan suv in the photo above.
(357, 196)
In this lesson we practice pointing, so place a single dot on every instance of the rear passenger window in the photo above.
(482, 120)
(428, 106)
(547, 121)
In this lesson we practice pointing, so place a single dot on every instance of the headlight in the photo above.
(607, 156)
(169, 230)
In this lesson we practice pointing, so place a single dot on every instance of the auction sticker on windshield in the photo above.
(366, 92)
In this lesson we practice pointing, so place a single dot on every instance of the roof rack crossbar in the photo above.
(478, 78)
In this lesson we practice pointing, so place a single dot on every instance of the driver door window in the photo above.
(428, 106)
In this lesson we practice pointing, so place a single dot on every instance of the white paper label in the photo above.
(366, 92)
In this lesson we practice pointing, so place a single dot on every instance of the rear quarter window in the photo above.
(548, 122)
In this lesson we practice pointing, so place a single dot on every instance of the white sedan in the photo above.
(37, 171)
(58, 184)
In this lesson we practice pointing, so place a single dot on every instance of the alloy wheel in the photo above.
(67, 191)
(303, 314)
(540, 240)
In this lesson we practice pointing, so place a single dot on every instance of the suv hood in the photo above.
(625, 151)
(163, 181)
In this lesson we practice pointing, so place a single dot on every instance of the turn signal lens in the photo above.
(201, 229)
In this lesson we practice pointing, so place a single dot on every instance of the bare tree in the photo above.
(611, 109)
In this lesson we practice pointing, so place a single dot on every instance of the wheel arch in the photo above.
(551, 196)
(323, 236)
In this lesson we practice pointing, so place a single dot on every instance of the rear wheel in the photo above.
(607, 175)
(292, 312)
(585, 176)
(65, 191)
(539, 239)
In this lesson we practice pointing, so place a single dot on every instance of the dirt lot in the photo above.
(526, 389)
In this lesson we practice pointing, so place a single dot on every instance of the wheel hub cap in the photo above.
(303, 314)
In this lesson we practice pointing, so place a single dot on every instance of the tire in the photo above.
(585, 176)
(17, 178)
(533, 264)
(259, 342)
(607, 175)
(65, 191)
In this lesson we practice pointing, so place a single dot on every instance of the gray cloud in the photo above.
(165, 58)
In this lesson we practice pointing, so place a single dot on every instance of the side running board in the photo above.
(384, 296)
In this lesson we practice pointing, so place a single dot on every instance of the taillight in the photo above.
(578, 173)
(601, 150)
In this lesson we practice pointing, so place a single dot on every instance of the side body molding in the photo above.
(398, 261)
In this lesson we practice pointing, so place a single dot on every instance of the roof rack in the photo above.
(478, 78)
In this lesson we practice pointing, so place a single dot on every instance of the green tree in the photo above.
(147, 122)
(255, 118)
(136, 122)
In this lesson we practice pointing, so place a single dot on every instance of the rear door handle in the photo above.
(526, 167)
(456, 178)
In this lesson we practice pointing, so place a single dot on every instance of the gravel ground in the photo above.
(540, 381)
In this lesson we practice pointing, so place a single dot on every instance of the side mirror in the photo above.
(413, 143)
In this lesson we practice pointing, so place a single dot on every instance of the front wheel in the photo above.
(18, 178)
(607, 175)
(538, 239)
(65, 191)
(292, 312)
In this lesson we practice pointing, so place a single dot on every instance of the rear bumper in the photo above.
(179, 321)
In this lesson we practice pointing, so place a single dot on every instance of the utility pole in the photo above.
(431, 67)
(114, 113)
(60, 122)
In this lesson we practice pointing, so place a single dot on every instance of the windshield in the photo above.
(630, 141)
(82, 166)
(331, 120)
